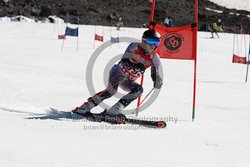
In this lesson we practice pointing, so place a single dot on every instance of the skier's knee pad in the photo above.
(134, 94)
(137, 91)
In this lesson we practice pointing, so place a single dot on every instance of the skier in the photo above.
(168, 21)
(215, 28)
(119, 23)
(136, 59)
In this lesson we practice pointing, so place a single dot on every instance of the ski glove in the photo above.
(158, 83)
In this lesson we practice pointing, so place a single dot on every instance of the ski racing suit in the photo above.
(131, 66)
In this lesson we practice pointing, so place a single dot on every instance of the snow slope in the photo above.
(38, 81)
(232, 4)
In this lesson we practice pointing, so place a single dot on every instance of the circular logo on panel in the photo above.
(173, 41)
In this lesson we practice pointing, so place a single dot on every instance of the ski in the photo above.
(112, 120)
(100, 118)
(147, 123)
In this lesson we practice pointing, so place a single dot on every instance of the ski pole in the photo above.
(136, 110)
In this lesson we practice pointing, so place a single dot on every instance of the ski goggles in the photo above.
(153, 41)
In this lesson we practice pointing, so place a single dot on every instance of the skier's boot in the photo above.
(114, 113)
(85, 108)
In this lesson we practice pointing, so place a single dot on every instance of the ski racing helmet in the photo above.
(151, 37)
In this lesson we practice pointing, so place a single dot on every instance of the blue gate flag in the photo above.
(71, 32)
(114, 40)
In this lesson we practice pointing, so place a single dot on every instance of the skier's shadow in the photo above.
(55, 114)
(51, 114)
